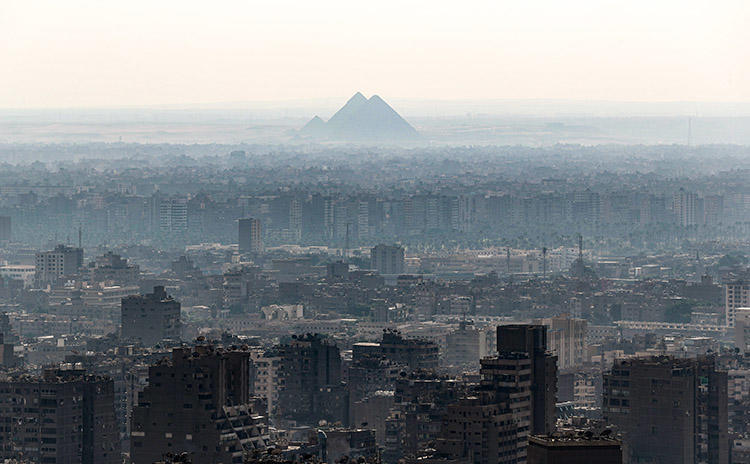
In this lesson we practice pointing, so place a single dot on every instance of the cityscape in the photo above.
(396, 234)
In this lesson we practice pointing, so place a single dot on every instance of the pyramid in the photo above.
(314, 128)
(362, 119)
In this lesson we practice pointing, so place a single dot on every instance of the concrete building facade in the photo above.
(150, 318)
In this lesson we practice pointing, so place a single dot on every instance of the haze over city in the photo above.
(396, 232)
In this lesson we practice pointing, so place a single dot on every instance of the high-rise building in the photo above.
(266, 377)
(250, 238)
(466, 346)
(7, 355)
(387, 259)
(420, 403)
(566, 337)
(531, 340)
(198, 402)
(574, 449)
(173, 215)
(483, 430)
(670, 411)
(736, 295)
(516, 396)
(310, 381)
(150, 318)
(65, 416)
(62, 261)
(713, 209)
(684, 206)
(742, 330)
(5, 229)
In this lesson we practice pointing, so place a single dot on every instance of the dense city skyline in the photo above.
(395, 232)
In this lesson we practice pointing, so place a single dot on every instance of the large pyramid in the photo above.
(362, 119)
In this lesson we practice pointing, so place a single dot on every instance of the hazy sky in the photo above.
(69, 53)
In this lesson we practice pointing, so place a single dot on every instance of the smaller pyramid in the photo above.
(314, 128)
(362, 120)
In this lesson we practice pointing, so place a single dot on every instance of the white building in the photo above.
(19, 272)
(736, 295)
(566, 338)
(742, 329)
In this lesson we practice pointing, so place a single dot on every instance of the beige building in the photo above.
(742, 329)
(566, 338)
(736, 295)
(266, 377)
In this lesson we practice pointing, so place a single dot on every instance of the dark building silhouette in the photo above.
(492, 424)
(338, 270)
(669, 410)
(150, 318)
(532, 340)
(420, 404)
(474, 430)
(574, 449)
(387, 259)
(516, 396)
(7, 356)
(198, 402)
(413, 353)
(250, 236)
(65, 416)
(310, 379)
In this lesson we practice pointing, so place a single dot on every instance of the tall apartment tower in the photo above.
(198, 402)
(250, 236)
(531, 340)
(483, 430)
(494, 423)
(65, 416)
(736, 295)
(387, 259)
(742, 330)
(684, 206)
(173, 215)
(62, 261)
(310, 378)
(670, 411)
(5, 229)
(566, 337)
(150, 318)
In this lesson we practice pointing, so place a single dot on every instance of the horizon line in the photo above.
(238, 104)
